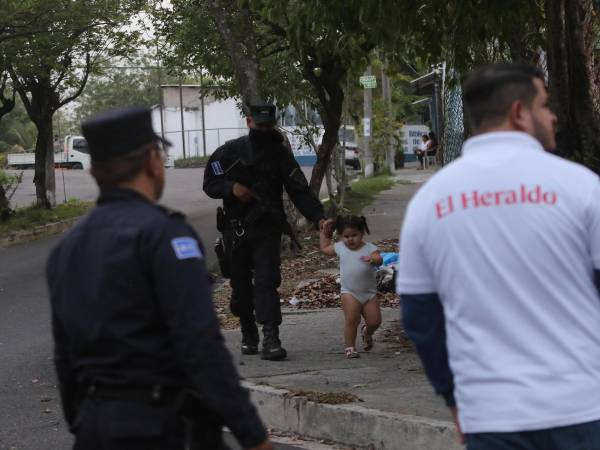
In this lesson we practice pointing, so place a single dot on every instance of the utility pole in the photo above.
(181, 110)
(160, 93)
(386, 91)
(367, 127)
(203, 122)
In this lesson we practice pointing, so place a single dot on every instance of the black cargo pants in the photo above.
(104, 424)
(254, 263)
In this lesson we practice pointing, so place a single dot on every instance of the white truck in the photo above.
(74, 155)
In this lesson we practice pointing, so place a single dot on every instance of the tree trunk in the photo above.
(331, 97)
(330, 138)
(571, 69)
(44, 162)
(5, 211)
(238, 38)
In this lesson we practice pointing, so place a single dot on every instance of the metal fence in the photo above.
(194, 140)
(452, 122)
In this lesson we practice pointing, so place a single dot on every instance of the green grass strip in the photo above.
(32, 216)
(364, 191)
(192, 162)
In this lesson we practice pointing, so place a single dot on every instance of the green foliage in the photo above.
(385, 129)
(8, 186)
(468, 33)
(364, 191)
(16, 129)
(194, 161)
(72, 36)
(115, 88)
(49, 66)
(6, 179)
(192, 44)
(32, 216)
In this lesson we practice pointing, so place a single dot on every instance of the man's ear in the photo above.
(520, 116)
(153, 164)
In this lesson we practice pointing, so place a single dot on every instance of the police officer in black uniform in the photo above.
(249, 174)
(140, 358)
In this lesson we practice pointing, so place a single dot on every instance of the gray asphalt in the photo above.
(30, 414)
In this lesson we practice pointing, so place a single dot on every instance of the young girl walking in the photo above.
(358, 260)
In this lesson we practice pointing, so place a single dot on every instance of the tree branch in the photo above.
(88, 69)
(20, 88)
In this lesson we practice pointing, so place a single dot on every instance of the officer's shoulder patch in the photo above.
(186, 248)
(216, 168)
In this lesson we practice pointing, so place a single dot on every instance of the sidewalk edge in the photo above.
(21, 237)
(350, 424)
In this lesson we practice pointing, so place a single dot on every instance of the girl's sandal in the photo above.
(367, 338)
(351, 353)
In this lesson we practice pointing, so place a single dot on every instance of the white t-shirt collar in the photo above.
(513, 139)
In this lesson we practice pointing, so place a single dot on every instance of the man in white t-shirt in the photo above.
(422, 150)
(499, 276)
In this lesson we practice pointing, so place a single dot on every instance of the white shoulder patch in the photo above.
(186, 248)
(216, 168)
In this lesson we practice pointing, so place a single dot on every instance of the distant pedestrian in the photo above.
(420, 152)
(140, 358)
(428, 147)
(358, 262)
(499, 275)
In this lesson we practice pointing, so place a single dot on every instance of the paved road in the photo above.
(30, 417)
(184, 187)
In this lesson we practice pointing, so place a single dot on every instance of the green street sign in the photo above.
(368, 81)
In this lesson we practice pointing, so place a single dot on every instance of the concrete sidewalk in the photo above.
(395, 407)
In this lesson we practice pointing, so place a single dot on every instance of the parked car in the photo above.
(347, 138)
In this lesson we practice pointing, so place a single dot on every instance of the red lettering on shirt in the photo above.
(550, 198)
(470, 200)
(475, 199)
(444, 207)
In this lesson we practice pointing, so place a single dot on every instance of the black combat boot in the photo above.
(272, 349)
(250, 338)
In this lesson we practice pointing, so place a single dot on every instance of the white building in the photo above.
(222, 118)
(411, 139)
(223, 121)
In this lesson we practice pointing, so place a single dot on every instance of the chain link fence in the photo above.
(452, 122)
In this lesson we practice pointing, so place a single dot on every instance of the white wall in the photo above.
(411, 138)
(223, 123)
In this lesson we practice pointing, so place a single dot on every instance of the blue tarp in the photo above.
(390, 258)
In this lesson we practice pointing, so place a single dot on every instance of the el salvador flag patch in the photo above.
(186, 248)
(217, 169)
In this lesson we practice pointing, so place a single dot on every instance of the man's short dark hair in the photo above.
(490, 91)
(115, 171)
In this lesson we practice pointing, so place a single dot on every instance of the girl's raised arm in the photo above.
(325, 244)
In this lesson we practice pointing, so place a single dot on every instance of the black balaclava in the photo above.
(265, 138)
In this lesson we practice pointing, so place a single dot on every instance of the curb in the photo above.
(21, 237)
(350, 424)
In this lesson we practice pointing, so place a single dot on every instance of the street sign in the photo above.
(368, 81)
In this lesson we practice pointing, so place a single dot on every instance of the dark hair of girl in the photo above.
(359, 223)
(432, 137)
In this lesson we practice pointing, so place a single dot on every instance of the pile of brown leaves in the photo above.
(321, 293)
(296, 269)
(387, 245)
(325, 293)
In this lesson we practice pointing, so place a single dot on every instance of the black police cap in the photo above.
(264, 114)
(118, 132)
